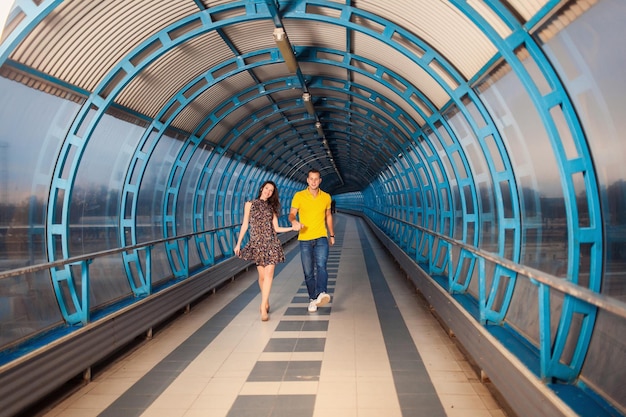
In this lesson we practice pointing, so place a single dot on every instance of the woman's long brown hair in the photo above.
(274, 200)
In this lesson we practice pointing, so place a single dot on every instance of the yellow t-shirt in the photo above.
(311, 213)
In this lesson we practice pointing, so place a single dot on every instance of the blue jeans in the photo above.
(314, 255)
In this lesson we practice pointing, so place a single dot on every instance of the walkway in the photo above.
(375, 350)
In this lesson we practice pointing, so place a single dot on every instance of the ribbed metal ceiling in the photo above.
(81, 41)
(376, 71)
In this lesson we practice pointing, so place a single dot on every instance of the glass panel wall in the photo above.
(27, 157)
(544, 227)
(590, 57)
(150, 201)
(95, 204)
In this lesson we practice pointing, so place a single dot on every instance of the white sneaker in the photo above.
(322, 299)
(313, 306)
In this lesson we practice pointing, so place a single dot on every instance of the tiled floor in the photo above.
(375, 350)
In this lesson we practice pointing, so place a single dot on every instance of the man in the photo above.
(314, 224)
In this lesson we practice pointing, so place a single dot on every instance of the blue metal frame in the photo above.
(457, 93)
(551, 348)
(182, 99)
(80, 134)
(553, 365)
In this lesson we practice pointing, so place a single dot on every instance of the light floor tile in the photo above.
(458, 388)
(456, 412)
(377, 412)
(466, 402)
(203, 413)
(321, 411)
(173, 401)
(355, 380)
(224, 386)
(260, 388)
(213, 402)
(298, 388)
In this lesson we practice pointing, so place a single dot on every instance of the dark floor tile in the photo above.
(254, 401)
(295, 402)
(407, 365)
(421, 405)
(302, 325)
(310, 344)
(268, 371)
(315, 326)
(302, 311)
(303, 371)
(292, 413)
(281, 345)
(290, 326)
(273, 406)
(412, 383)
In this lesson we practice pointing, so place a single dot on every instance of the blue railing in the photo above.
(74, 294)
(454, 264)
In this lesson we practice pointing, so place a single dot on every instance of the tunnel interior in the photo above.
(481, 137)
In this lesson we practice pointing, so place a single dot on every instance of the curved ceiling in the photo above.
(353, 87)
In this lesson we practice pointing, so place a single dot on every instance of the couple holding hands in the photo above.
(311, 216)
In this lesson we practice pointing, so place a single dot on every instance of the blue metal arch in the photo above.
(269, 150)
(78, 137)
(487, 304)
(177, 101)
(33, 15)
(99, 106)
(456, 95)
(222, 148)
(462, 90)
(551, 352)
(443, 187)
(143, 153)
(199, 201)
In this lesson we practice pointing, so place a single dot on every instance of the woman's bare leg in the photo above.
(266, 276)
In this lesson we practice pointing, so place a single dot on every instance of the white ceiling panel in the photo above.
(440, 25)
(81, 41)
(207, 102)
(527, 8)
(159, 82)
(399, 63)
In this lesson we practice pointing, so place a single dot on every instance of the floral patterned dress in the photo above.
(264, 248)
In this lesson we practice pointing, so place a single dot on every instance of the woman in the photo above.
(264, 248)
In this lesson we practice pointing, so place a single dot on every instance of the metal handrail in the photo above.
(599, 300)
(100, 254)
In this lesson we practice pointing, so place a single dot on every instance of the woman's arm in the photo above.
(293, 212)
(244, 226)
(280, 229)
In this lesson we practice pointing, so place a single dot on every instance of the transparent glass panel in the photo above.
(33, 125)
(590, 57)
(27, 158)
(185, 209)
(537, 174)
(150, 203)
(95, 204)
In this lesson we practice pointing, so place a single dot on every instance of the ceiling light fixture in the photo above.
(320, 131)
(306, 97)
(284, 46)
